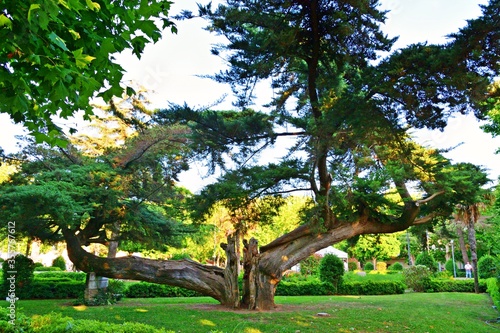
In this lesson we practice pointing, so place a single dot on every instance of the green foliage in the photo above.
(381, 266)
(448, 265)
(493, 288)
(47, 269)
(331, 270)
(352, 266)
(146, 290)
(487, 267)
(310, 265)
(397, 266)
(57, 55)
(59, 262)
(76, 276)
(451, 285)
(368, 267)
(56, 323)
(381, 247)
(13, 321)
(55, 289)
(372, 288)
(427, 259)
(308, 287)
(417, 277)
(17, 282)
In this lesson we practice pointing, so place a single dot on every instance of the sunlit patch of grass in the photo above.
(252, 330)
(141, 310)
(206, 322)
(80, 307)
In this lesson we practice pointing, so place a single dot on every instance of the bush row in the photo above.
(447, 285)
(49, 290)
(148, 290)
(316, 288)
(493, 288)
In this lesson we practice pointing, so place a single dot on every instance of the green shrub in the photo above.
(487, 267)
(451, 285)
(151, 290)
(17, 284)
(426, 259)
(352, 266)
(448, 265)
(47, 269)
(56, 323)
(310, 265)
(397, 266)
(372, 288)
(368, 267)
(38, 264)
(11, 322)
(59, 262)
(381, 266)
(311, 287)
(443, 275)
(76, 276)
(417, 277)
(331, 270)
(493, 288)
(56, 289)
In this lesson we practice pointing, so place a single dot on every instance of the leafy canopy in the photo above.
(56, 55)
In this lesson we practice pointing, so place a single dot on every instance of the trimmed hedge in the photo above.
(448, 285)
(372, 288)
(77, 276)
(301, 288)
(317, 288)
(47, 269)
(52, 290)
(151, 290)
(493, 288)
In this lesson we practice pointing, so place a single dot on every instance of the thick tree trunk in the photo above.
(473, 253)
(461, 242)
(232, 297)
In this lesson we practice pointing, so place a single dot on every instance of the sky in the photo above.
(172, 67)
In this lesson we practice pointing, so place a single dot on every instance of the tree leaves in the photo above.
(46, 44)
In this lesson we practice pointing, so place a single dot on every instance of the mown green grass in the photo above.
(411, 312)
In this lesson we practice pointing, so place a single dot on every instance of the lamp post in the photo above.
(408, 245)
(453, 259)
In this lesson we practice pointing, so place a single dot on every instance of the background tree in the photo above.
(468, 211)
(376, 247)
(56, 56)
(124, 193)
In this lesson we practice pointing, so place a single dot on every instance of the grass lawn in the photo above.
(412, 312)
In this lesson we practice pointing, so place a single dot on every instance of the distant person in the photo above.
(468, 270)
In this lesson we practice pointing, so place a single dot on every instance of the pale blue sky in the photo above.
(171, 66)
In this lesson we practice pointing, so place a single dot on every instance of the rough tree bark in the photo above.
(461, 242)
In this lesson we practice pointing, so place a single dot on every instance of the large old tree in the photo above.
(348, 112)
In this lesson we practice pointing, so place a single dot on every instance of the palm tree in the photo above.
(468, 216)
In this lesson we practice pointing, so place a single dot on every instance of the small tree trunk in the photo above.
(473, 252)
(461, 241)
(232, 293)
